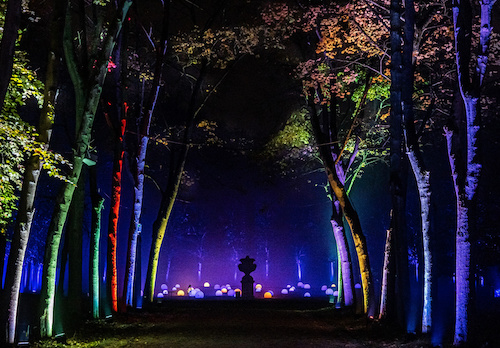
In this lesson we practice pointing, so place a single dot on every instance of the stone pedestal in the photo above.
(247, 266)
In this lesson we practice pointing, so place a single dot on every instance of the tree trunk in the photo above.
(386, 275)
(95, 235)
(140, 160)
(344, 257)
(7, 46)
(466, 185)
(64, 198)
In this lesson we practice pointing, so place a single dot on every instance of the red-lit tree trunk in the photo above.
(140, 161)
(466, 176)
(63, 200)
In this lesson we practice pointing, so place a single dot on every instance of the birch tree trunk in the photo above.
(95, 235)
(470, 90)
(140, 161)
(64, 198)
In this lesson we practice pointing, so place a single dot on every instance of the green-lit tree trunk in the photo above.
(140, 161)
(95, 235)
(64, 198)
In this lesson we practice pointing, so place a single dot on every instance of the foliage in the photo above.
(18, 139)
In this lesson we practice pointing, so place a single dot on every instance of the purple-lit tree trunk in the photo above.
(466, 183)
(63, 200)
(140, 161)
(346, 280)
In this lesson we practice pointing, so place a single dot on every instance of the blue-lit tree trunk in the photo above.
(86, 117)
(140, 160)
(466, 176)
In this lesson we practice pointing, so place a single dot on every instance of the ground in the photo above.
(236, 324)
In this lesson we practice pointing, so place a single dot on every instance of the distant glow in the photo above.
(199, 294)
(307, 294)
(206, 285)
(268, 295)
(177, 286)
(218, 293)
(165, 292)
(258, 290)
(300, 285)
(284, 292)
(216, 287)
(224, 290)
(292, 289)
(357, 286)
(174, 289)
(164, 287)
(307, 286)
(329, 291)
(180, 293)
(258, 286)
(324, 287)
(335, 293)
(497, 293)
(333, 286)
(288, 286)
(160, 295)
(228, 286)
(230, 293)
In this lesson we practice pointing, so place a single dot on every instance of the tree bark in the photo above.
(140, 160)
(7, 46)
(65, 196)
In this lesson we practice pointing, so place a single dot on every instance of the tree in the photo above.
(86, 105)
(466, 174)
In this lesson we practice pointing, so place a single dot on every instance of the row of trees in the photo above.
(357, 61)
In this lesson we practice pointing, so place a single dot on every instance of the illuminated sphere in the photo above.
(164, 287)
(333, 286)
(268, 295)
(300, 284)
(307, 294)
(160, 295)
(165, 292)
(357, 286)
(258, 286)
(216, 287)
(335, 293)
(228, 286)
(307, 286)
(174, 289)
(177, 286)
(180, 293)
(258, 290)
(218, 293)
(288, 286)
(329, 291)
(230, 293)
(284, 292)
(224, 290)
(206, 285)
(199, 294)
(292, 289)
(324, 287)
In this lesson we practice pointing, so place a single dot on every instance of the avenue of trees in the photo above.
(375, 81)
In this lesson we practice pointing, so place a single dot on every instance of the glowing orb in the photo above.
(224, 290)
(324, 287)
(258, 286)
(206, 285)
(335, 293)
(357, 286)
(292, 289)
(180, 293)
(300, 285)
(165, 292)
(199, 294)
(288, 286)
(258, 290)
(268, 295)
(218, 293)
(329, 291)
(284, 292)
(160, 295)
(497, 293)
(230, 293)
(333, 286)
(177, 286)
(174, 289)
(164, 287)
(307, 286)
(307, 294)
(228, 286)
(216, 287)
